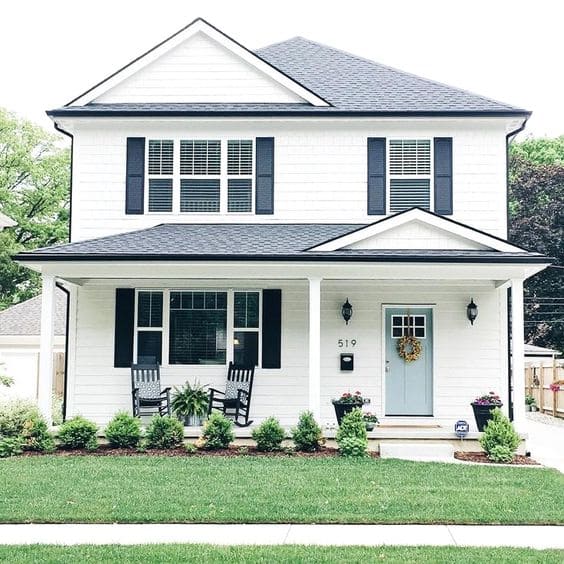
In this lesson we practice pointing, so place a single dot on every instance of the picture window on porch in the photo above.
(198, 328)
(409, 325)
(410, 174)
(246, 325)
(149, 327)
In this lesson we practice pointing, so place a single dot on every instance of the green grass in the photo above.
(278, 554)
(145, 489)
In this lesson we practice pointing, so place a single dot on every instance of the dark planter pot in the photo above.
(482, 414)
(341, 409)
(191, 420)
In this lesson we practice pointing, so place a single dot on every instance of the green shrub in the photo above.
(10, 446)
(307, 436)
(190, 448)
(500, 440)
(164, 432)
(124, 431)
(269, 435)
(77, 433)
(36, 436)
(351, 436)
(14, 414)
(217, 432)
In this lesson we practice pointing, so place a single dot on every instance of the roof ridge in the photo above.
(397, 70)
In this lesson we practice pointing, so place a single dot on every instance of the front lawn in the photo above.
(55, 489)
(279, 554)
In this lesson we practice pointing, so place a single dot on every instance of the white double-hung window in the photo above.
(200, 175)
(410, 174)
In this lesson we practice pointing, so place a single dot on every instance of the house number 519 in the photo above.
(346, 343)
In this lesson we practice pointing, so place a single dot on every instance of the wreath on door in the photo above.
(409, 348)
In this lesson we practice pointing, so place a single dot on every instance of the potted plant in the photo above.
(483, 407)
(190, 403)
(370, 420)
(530, 403)
(346, 403)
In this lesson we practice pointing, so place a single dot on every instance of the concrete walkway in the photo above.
(539, 537)
(546, 443)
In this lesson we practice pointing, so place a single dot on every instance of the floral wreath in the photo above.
(409, 348)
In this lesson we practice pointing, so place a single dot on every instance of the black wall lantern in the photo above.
(347, 311)
(472, 311)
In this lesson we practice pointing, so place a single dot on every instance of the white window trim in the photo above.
(430, 176)
(166, 324)
(222, 176)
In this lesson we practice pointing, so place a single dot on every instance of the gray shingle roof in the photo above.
(350, 83)
(249, 242)
(25, 318)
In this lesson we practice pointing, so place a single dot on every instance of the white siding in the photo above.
(198, 70)
(469, 360)
(320, 169)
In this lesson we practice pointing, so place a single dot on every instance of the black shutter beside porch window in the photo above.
(124, 327)
(271, 328)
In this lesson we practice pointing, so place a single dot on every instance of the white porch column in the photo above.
(518, 353)
(315, 347)
(45, 384)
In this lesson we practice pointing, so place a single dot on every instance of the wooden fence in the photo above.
(545, 382)
(59, 373)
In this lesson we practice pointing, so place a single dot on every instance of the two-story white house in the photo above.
(226, 203)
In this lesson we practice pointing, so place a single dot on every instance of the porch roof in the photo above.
(254, 242)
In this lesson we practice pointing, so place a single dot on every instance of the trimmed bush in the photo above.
(351, 436)
(77, 433)
(35, 435)
(269, 435)
(218, 432)
(124, 431)
(190, 448)
(10, 446)
(164, 432)
(500, 440)
(307, 436)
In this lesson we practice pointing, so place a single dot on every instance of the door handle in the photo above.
(387, 366)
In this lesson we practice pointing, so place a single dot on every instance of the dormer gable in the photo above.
(417, 229)
(199, 64)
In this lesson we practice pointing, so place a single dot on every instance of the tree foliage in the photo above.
(34, 192)
(536, 222)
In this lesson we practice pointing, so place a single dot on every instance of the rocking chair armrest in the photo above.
(135, 392)
(216, 391)
(165, 391)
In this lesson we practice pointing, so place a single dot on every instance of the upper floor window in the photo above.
(410, 174)
(193, 176)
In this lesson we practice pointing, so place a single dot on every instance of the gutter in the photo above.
(61, 130)
(67, 325)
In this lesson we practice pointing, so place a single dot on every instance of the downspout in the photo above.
(67, 324)
(508, 139)
(65, 290)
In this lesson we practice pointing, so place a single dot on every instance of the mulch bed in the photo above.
(233, 451)
(518, 460)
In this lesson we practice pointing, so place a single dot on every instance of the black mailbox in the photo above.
(347, 361)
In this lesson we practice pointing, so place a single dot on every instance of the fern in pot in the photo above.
(190, 403)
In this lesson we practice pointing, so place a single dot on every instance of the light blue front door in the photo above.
(409, 385)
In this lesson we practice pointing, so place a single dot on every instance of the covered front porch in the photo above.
(465, 360)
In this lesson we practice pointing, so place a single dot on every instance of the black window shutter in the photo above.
(376, 176)
(135, 176)
(264, 190)
(271, 328)
(443, 175)
(125, 316)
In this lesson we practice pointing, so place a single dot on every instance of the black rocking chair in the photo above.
(146, 390)
(236, 400)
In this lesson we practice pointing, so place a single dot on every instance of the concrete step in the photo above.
(437, 452)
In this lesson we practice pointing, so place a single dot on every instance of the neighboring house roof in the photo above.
(533, 350)
(351, 84)
(6, 221)
(251, 241)
(25, 318)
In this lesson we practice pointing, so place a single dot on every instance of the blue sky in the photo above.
(50, 51)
